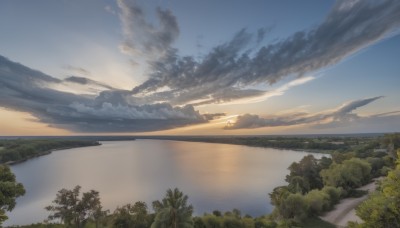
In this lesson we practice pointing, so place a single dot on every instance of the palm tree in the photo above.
(173, 211)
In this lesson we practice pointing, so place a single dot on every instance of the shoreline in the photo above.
(11, 163)
(242, 144)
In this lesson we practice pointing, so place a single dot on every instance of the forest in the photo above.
(318, 143)
(18, 150)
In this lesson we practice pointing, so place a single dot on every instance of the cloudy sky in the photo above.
(199, 67)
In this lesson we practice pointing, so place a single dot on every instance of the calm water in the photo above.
(214, 176)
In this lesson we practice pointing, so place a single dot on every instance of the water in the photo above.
(214, 176)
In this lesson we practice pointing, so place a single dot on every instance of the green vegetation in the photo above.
(324, 144)
(18, 150)
(313, 187)
(382, 209)
(9, 191)
(316, 222)
(75, 211)
(316, 185)
(173, 211)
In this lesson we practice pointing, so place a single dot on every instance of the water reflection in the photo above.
(215, 176)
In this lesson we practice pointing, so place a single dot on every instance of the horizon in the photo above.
(174, 68)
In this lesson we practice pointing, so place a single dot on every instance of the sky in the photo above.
(178, 67)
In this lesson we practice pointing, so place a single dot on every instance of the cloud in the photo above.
(86, 82)
(78, 70)
(142, 38)
(229, 72)
(236, 65)
(27, 90)
(342, 114)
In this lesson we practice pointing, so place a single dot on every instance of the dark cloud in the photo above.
(343, 114)
(228, 72)
(86, 81)
(27, 90)
(212, 116)
(142, 38)
(347, 29)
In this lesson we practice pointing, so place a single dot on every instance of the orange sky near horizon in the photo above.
(14, 123)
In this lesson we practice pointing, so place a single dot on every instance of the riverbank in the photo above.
(324, 145)
(45, 153)
(20, 150)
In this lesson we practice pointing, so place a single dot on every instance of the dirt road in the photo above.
(345, 210)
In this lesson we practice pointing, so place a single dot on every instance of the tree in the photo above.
(237, 213)
(334, 195)
(231, 222)
(212, 221)
(278, 195)
(217, 213)
(75, 211)
(350, 174)
(293, 207)
(382, 209)
(135, 216)
(298, 184)
(304, 175)
(198, 223)
(173, 211)
(9, 191)
(122, 217)
(318, 201)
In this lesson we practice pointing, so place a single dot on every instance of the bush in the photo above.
(318, 201)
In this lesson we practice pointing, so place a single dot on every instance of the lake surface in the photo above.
(214, 176)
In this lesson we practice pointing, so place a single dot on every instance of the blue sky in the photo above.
(199, 67)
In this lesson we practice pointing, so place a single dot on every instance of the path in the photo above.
(345, 210)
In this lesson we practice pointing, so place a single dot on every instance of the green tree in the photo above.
(237, 213)
(376, 165)
(298, 184)
(212, 221)
(9, 191)
(334, 195)
(122, 217)
(382, 209)
(135, 216)
(198, 223)
(293, 207)
(304, 175)
(318, 201)
(231, 222)
(217, 213)
(75, 211)
(350, 174)
(173, 211)
(278, 195)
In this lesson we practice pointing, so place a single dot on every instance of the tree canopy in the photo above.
(173, 211)
(75, 211)
(9, 191)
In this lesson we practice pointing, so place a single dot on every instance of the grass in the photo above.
(316, 222)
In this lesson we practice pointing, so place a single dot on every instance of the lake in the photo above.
(214, 176)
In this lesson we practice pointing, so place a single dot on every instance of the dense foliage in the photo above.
(76, 211)
(9, 191)
(173, 211)
(382, 209)
(22, 149)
